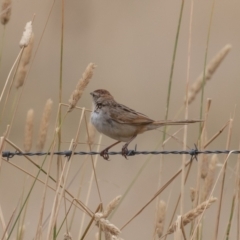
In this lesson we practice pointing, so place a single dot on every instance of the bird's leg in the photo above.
(125, 149)
(104, 152)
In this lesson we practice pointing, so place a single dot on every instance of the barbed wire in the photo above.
(193, 153)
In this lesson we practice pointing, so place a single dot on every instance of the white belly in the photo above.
(110, 128)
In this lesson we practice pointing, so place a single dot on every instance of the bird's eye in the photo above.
(99, 106)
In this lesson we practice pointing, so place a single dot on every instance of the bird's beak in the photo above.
(91, 93)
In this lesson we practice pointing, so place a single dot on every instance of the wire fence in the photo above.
(193, 153)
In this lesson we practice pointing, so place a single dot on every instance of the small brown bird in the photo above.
(120, 122)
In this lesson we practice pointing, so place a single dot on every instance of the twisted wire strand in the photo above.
(193, 152)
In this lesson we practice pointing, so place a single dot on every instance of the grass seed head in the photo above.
(23, 64)
(192, 214)
(28, 131)
(210, 177)
(44, 125)
(192, 194)
(6, 11)
(26, 35)
(204, 167)
(111, 206)
(81, 85)
(105, 225)
(161, 215)
(209, 71)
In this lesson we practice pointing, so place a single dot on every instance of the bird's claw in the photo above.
(125, 151)
(104, 154)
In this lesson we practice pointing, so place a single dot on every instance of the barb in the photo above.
(193, 153)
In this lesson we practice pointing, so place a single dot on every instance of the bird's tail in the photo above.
(161, 123)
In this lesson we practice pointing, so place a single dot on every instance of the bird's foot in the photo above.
(104, 154)
(125, 151)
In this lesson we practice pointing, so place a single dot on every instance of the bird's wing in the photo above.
(123, 114)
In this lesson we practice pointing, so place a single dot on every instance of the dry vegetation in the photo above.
(171, 221)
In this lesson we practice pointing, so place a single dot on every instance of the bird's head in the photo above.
(100, 96)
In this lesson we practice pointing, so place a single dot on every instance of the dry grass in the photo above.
(161, 215)
(209, 180)
(67, 236)
(6, 11)
(192, 214)
(204, 169)
(27, 33)
(24, 62)
(81, 85)
(91, 133)
(28, 137)
(209, 71)
(69, 197)
(192, 194)
(105, 225)
(44, 125)
(111, 206)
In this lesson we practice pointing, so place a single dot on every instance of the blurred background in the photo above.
(132, 43)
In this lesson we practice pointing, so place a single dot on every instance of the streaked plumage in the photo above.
(121, 122)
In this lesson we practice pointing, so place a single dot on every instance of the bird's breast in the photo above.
(106, 125)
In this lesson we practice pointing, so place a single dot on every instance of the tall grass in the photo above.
(64, 200)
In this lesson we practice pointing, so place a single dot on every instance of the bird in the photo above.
(120, 122)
